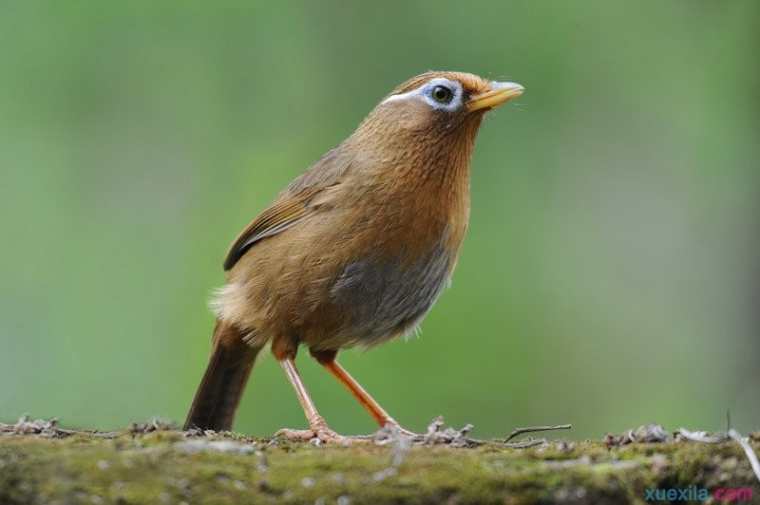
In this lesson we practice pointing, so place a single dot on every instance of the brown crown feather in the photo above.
(471, 83)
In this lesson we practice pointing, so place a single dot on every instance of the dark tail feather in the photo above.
(223, 383)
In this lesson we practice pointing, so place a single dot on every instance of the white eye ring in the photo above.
(454, 88)
(425, 92)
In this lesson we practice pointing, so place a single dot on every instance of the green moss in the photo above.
(161, 467)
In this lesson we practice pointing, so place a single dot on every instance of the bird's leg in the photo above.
(327, 360)
(317, 426)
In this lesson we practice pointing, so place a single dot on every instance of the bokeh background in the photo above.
(611, 276)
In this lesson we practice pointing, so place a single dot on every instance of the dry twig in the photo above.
(533, 429)
(701, 436)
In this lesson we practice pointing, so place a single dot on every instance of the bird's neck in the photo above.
(424, 185)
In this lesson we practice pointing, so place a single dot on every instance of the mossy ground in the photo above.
(168, 467)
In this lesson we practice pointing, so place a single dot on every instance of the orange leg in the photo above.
(327, 360)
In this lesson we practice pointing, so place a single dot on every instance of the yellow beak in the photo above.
(500, 92)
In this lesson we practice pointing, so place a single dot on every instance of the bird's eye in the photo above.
(442, 94)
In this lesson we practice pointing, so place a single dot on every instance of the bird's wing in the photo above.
(303, 197)
(283, 214)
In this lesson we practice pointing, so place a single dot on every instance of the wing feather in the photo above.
(309, 192)
(276, 219)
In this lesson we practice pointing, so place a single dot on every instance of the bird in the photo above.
(353, 252)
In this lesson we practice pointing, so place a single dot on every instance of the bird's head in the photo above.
(435, 109)
(456, 94)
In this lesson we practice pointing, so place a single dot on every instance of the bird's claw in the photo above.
(394, 431)
(404, 432)
(320, 435)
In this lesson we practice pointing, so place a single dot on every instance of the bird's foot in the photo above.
(395, 430)
(403, 431)
(318, 435)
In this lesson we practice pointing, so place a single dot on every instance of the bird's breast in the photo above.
(399, 259)
(383, 296)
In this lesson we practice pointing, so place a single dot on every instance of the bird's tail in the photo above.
(223, 383)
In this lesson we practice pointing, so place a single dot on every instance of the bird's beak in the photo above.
(500, 92)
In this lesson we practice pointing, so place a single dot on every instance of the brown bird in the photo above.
(355, 251)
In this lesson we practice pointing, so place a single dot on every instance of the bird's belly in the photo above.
(380, 298)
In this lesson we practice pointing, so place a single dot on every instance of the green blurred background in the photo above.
(611, 273)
